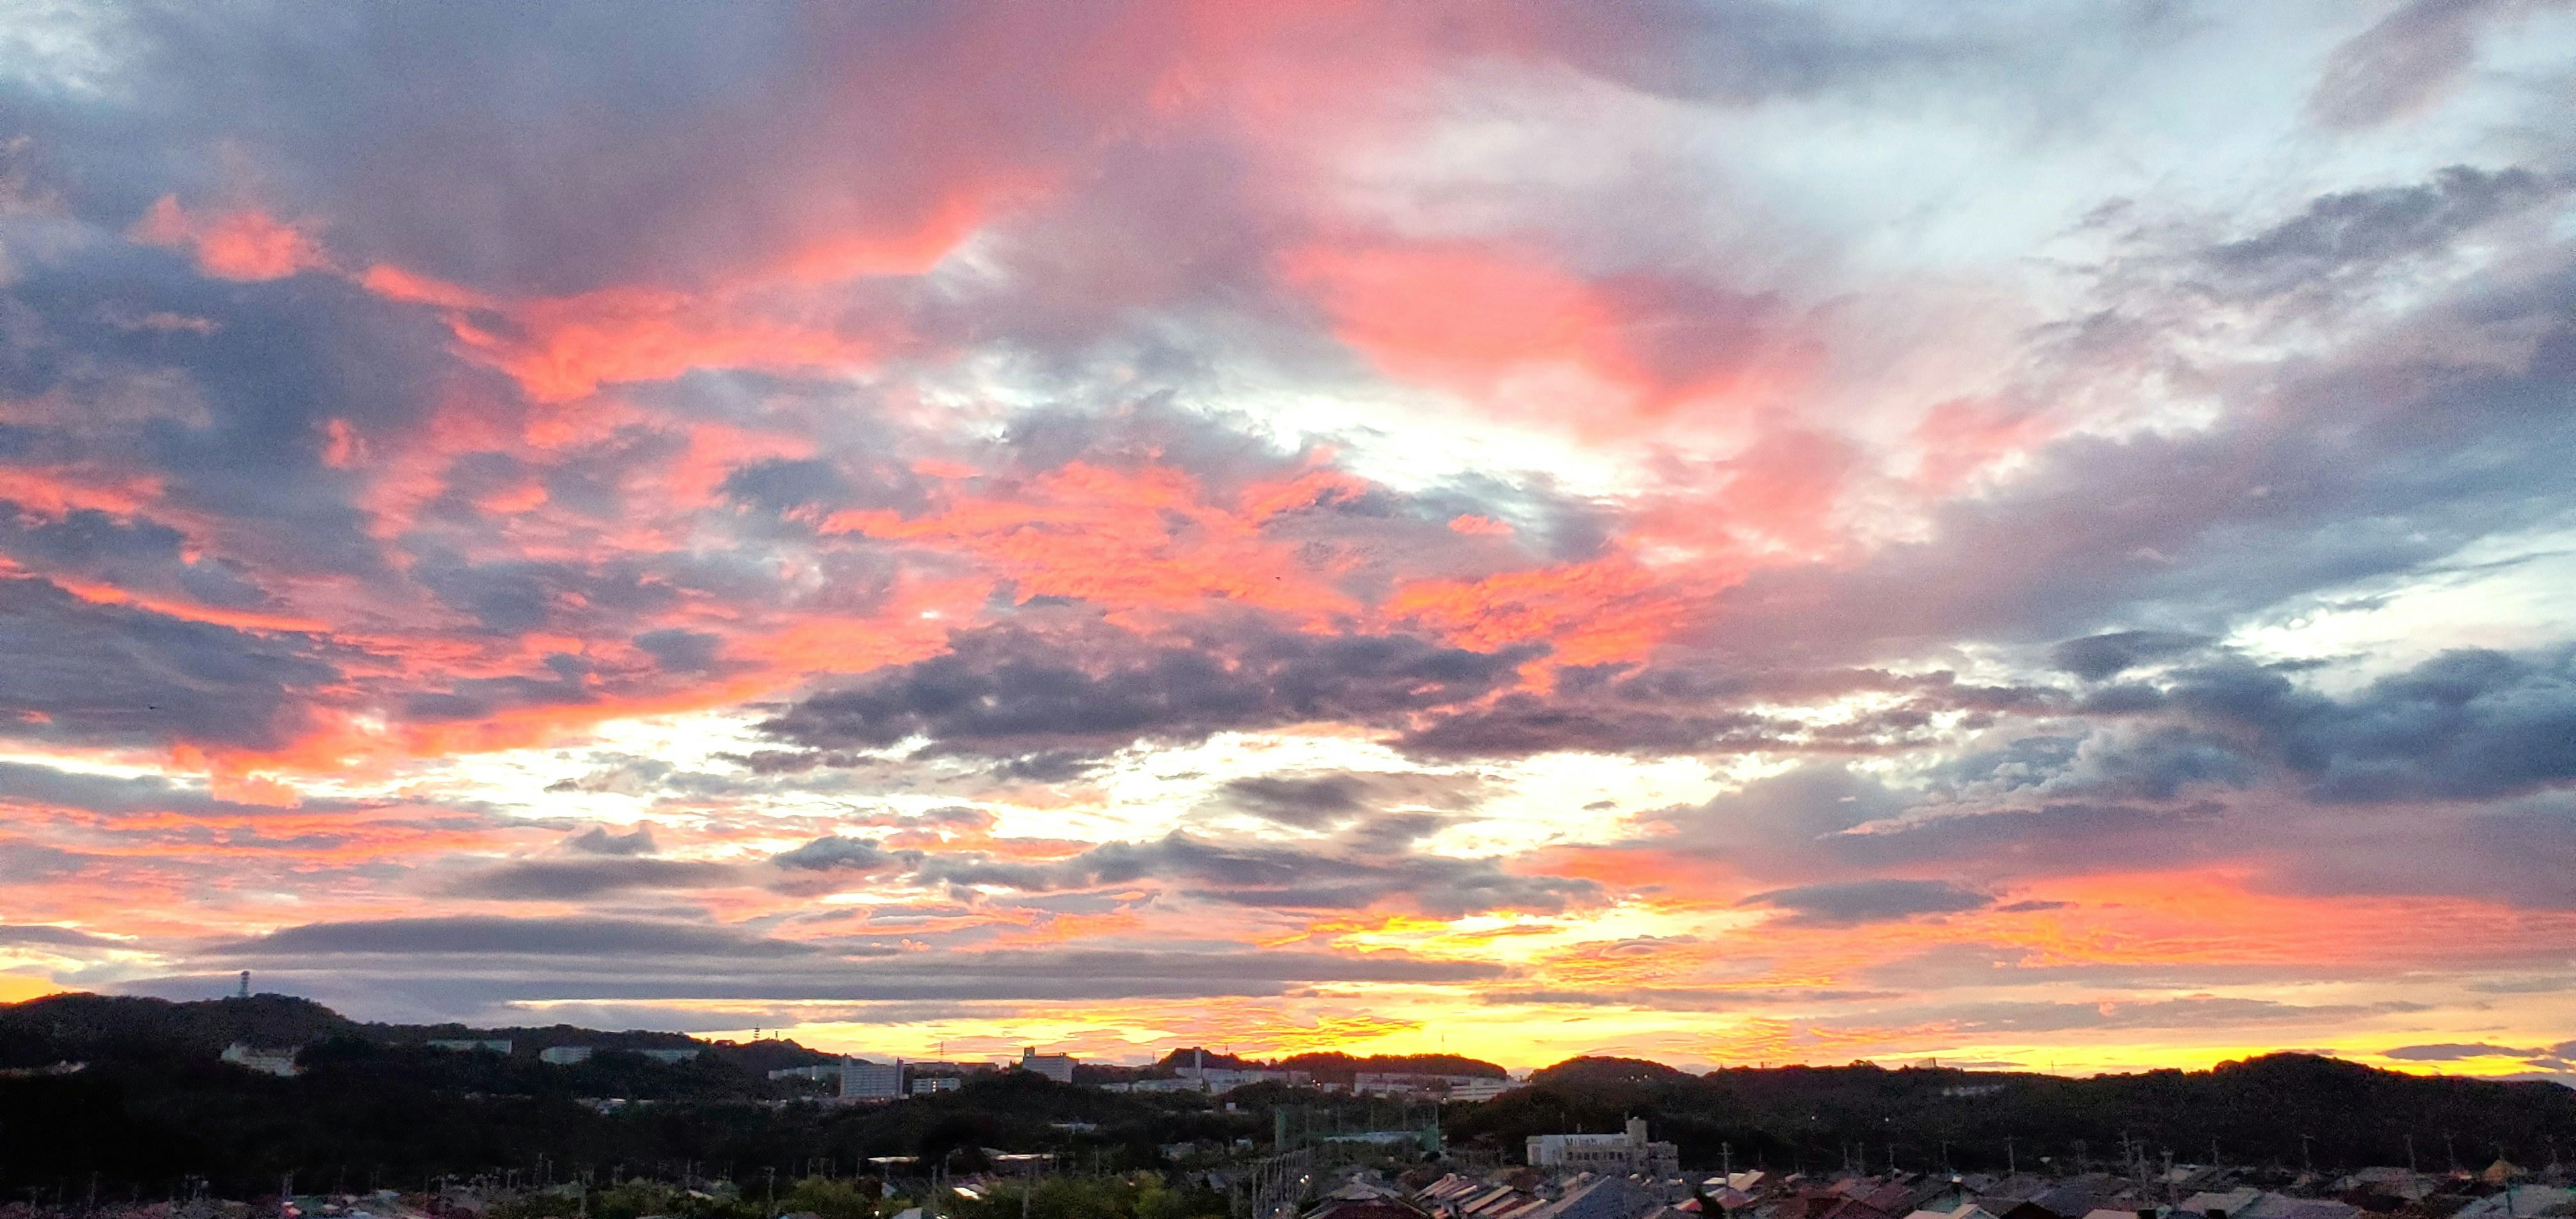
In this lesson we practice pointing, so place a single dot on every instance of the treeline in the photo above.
(1325, 1067)
(2290, 1110)
(374, 1107)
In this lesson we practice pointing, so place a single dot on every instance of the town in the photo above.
(263, 1105)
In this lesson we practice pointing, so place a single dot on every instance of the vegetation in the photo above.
(376, 1108)
(2284, 1109)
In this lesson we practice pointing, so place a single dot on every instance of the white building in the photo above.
(671, 1055)
(928, 1084)
(1479, 1089)
(864, 1080)
(270, 1062)
(564, 1055)
(1058, 1067)
(470, 1045)
(1624, 1154)
(820, 1070)
(1417, 1084)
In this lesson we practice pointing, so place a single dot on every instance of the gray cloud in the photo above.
(54, 937)
(1284, 878)
(75, 671)
(2466, 724)
(569, 879)
(598, 841)
(1317, 799)
(1844, 903)
(832, 851)
(483, 935)
(2455, 1051)
(2096, 657)
(1007, 691)
(2403, 63)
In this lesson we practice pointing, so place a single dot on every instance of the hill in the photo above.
(376, 1105)
(2283, 1109)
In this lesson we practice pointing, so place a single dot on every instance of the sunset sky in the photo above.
(2029, 534)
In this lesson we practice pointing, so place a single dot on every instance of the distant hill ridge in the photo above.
(1332, 1066)
(56, 1027)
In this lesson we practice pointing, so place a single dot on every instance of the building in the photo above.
(271, 1062)
(1624, 1154)
(564, 1055)
(819, 1071)
(671, 1055)
(925, 1085)
(1415, 1085)
(473, 1045)
(1058, 1067)
(865, 1080)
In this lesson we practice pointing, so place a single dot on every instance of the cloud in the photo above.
(82, 672)
(1318, 799)
(2402, 64)
(569, 880)
(1847, 903)
(834, 852)
(2455, 1052)
(1283, 877)
(598, 841)
(1008, 691)
(2096, 657)
(54, 937)
(496, 936)
(2465, 724)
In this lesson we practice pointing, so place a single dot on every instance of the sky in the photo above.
(2030, 535)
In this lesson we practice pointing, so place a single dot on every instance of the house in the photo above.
(564, 1055)
(1601, 1197)
(269, 1062)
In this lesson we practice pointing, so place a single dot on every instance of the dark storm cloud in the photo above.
(566, 880)
(1005, 691)
(1845, 903)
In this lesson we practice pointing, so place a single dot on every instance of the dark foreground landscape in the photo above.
(128, 1101)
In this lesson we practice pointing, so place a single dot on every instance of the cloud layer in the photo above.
(1735, 533)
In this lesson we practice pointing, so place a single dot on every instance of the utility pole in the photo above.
(2012, 1166)
(2307, 1158)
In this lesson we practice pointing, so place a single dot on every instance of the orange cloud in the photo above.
(247, 244)
(1508, 327)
